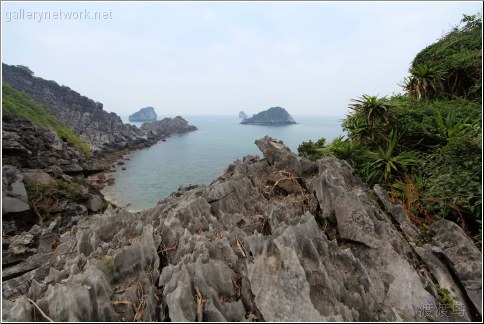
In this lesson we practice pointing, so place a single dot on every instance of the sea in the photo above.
(198, 157)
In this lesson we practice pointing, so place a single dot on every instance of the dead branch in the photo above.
(40, 310)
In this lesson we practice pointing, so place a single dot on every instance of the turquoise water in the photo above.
(198, 157)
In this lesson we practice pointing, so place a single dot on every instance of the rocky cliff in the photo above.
(271, 116)
(272, 239)
(43, 177)
(103, 131)
(143, 115)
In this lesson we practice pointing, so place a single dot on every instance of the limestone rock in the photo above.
(15, 204)
(462, 256)
(317, 249)
(95, 203)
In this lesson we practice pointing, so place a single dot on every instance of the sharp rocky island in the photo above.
(243, 115)
(271, 116)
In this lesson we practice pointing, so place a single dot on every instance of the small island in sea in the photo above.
(143, 115)
(271, 116)
(242, 115)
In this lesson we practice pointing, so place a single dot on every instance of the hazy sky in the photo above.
(186, 58)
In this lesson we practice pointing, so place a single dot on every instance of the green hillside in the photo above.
(18, 104)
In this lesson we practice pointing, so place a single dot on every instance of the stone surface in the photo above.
(317, 248)
(15, 206)
(463, 257)
(95, 203)
(37, 177)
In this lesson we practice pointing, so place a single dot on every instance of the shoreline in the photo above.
(114, 162)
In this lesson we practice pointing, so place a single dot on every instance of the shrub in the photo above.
(46, 199)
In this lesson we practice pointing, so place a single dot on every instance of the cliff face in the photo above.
(143, 115)
(103, 131)
(271, 116)
(274, 239)
(43, 178)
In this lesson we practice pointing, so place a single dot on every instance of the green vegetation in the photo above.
(109, 263)
(25, 69)
(46, 199)
(457, 56)
(18, 104)
(446, 298)
(424, 146)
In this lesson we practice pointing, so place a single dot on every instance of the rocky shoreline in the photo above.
(29, 149)
(277, 238)
(71, 179)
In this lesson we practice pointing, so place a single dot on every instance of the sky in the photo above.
(218, 58)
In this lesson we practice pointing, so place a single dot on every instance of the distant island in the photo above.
(143, 115)
(271, 116)
(243, 115)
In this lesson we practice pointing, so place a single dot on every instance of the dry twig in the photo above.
(200, 302)
(241, 248)
(40, 310)
(284, 176)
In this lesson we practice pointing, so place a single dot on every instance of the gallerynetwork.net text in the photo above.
(40, 16)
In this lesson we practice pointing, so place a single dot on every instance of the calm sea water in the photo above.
(198, 157)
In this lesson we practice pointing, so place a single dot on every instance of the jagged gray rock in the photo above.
(15, 204)
(463, 257)
(247, 247)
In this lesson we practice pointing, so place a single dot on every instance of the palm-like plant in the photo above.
(409, 84)
(352, 151)
(387, 162)
(356, 126)
(424, 79)
(451, 127)
(372, 107)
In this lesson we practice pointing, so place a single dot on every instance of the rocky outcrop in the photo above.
(274, 239)
(271, 116)
(167, 126)
(103, 131)
(28, 146)
(143, 115)
(43, 178)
